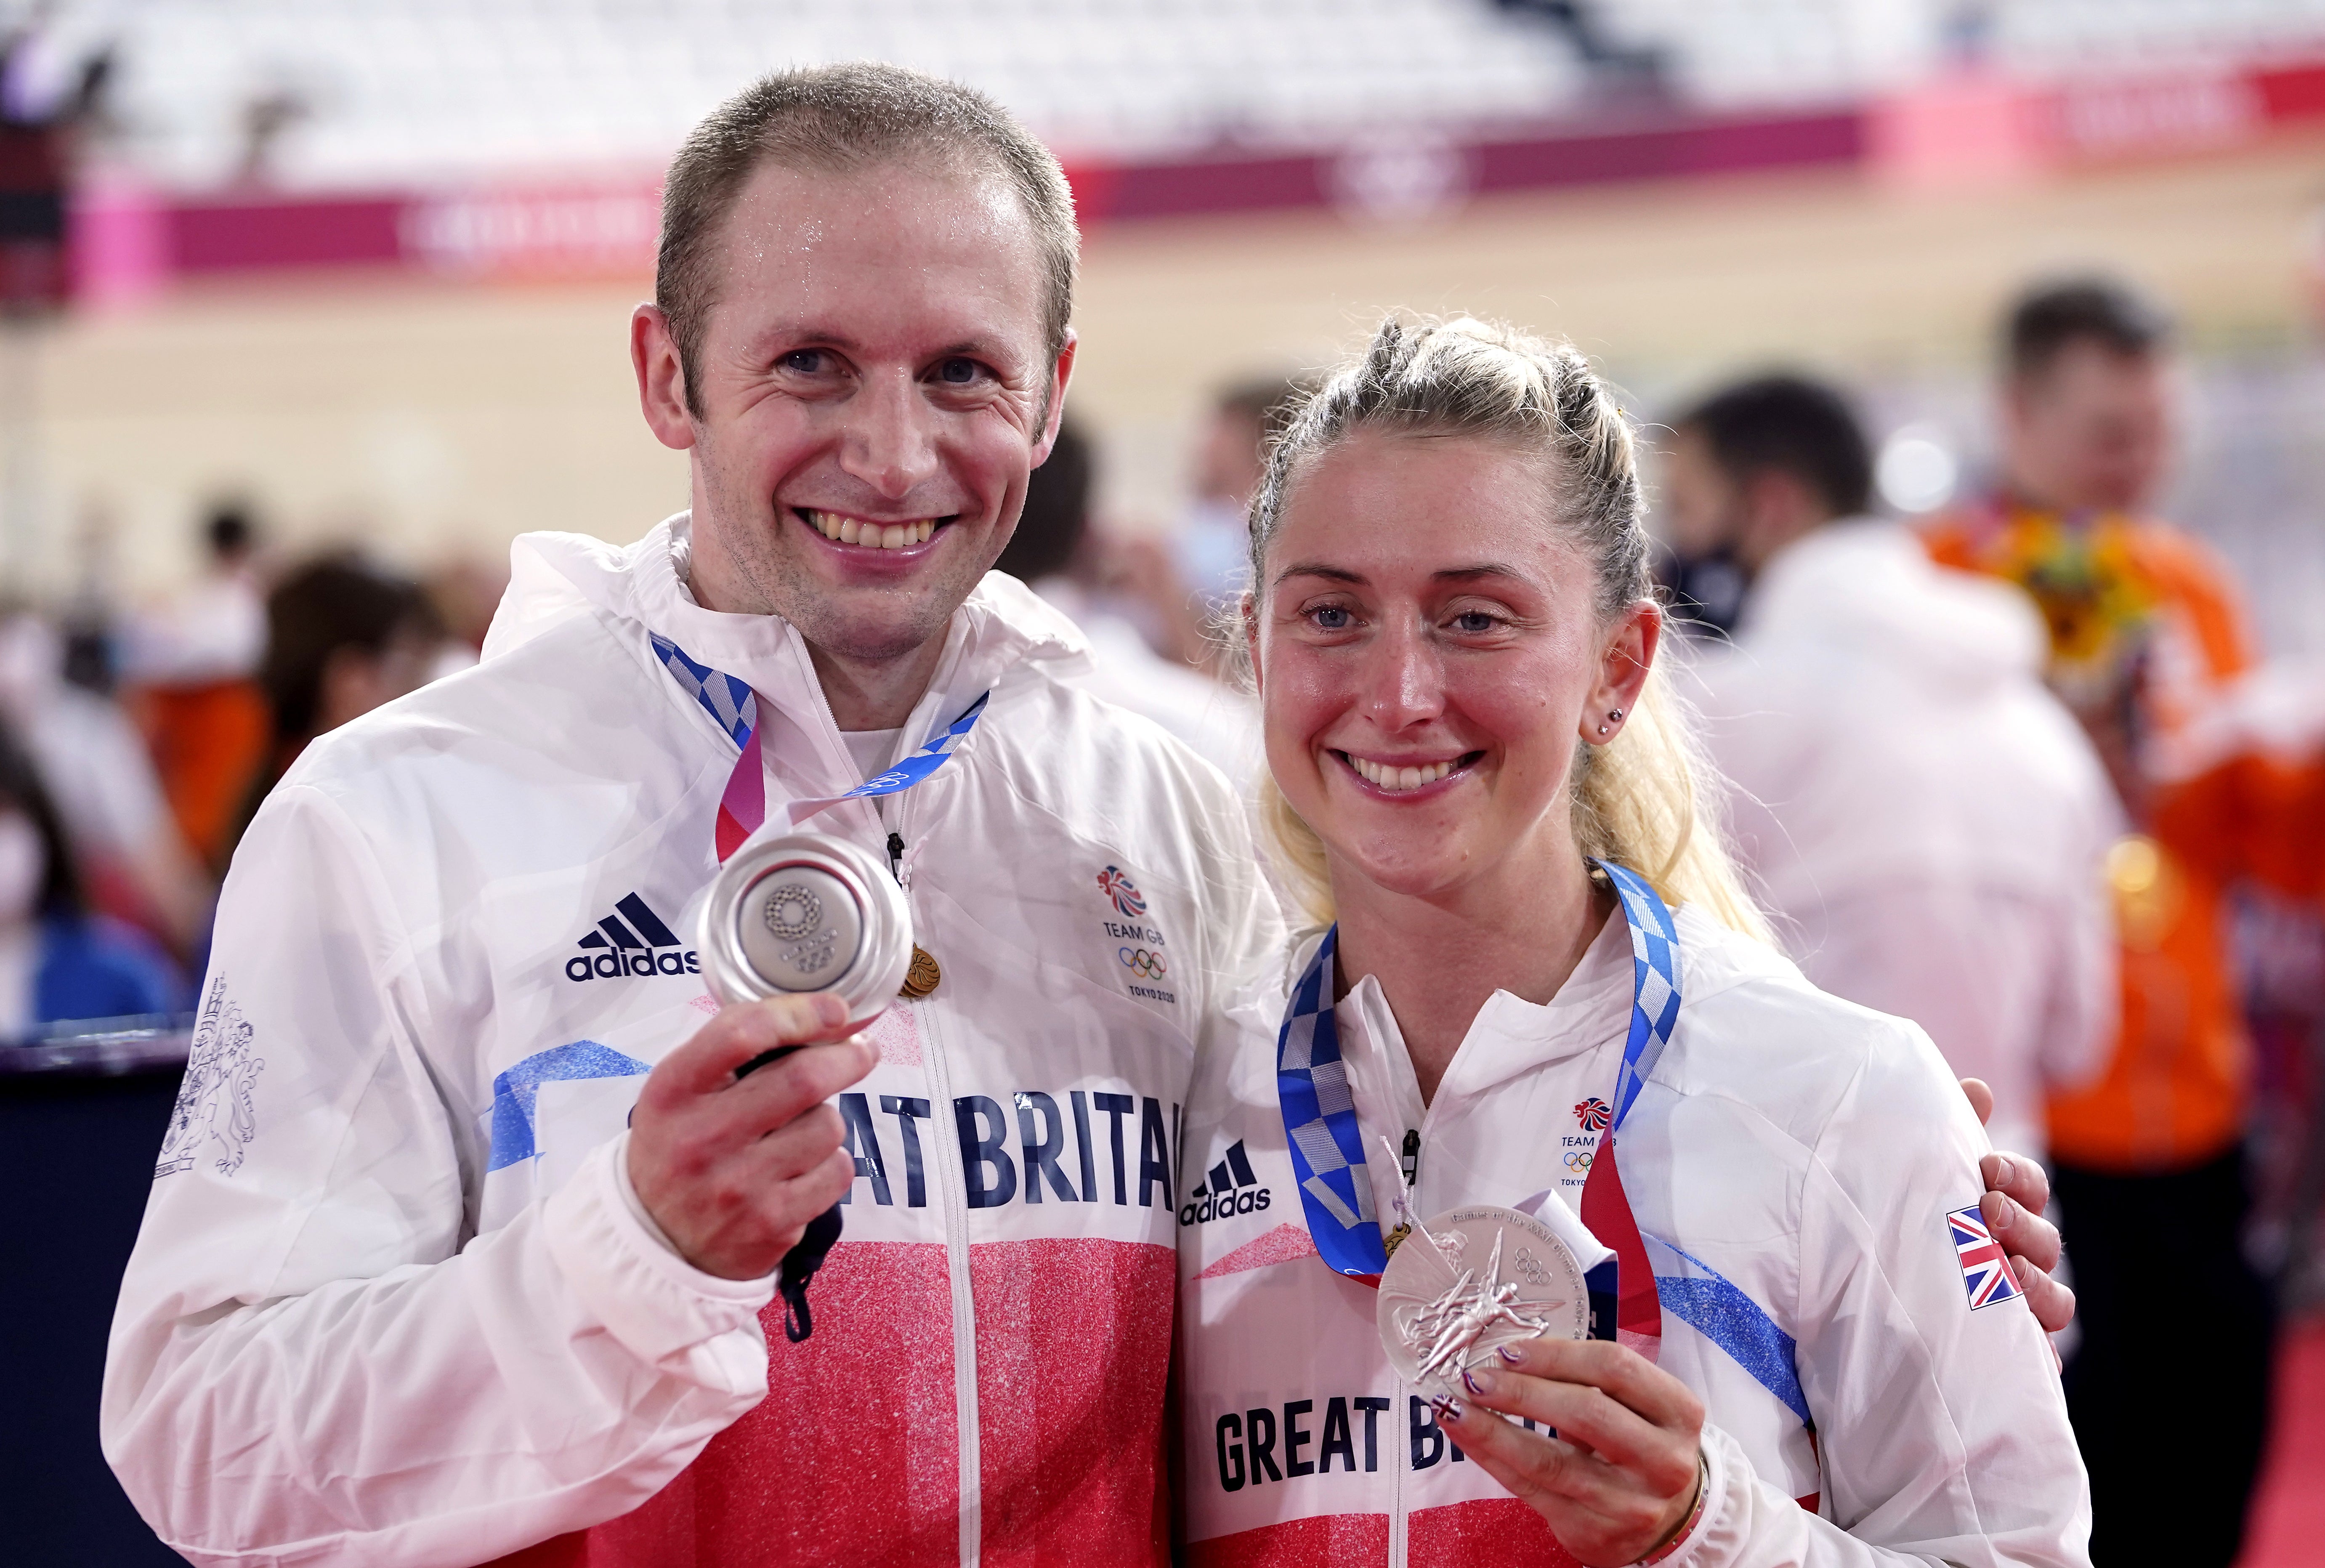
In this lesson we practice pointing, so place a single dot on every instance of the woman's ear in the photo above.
(1625, 657)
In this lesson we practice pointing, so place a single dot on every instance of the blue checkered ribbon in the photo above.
(726, 699)
(905, 774)
(1654, 983)
(1320, 1113)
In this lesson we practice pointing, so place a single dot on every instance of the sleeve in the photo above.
(1941, 1431)
(311, 1360)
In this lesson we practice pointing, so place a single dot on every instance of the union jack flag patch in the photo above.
(1986, 1272)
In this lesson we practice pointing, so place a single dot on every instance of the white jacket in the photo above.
(1805, 1150)
(392, 1303)
(1929, 826)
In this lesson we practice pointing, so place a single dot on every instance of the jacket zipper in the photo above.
(953, 1189)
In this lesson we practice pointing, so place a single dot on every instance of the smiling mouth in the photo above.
(1395, 778)
(869, 533)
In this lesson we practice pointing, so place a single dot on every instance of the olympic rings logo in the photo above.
(1146, 966)
(1578, 1160)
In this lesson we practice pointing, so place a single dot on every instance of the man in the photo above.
(2146, 634)
(458, 1252)
(1929, 825)
(1188, 578)
(1048, 553)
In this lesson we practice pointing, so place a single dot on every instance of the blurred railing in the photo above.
(100, 1048)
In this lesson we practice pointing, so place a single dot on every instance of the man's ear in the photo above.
(1054, 411)
(661, 378)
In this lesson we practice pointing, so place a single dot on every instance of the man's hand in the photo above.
(732, 1169)
(2016, 1192)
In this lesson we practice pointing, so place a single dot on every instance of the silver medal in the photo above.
(1469, 1281)
(806, 912)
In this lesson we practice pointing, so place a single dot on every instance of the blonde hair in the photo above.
(1646, 800)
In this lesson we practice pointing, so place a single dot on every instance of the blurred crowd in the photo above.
(136, 742)
(2014, 771)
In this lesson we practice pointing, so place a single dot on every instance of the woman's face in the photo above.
(1428, 653)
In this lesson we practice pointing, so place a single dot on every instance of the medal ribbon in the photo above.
(743, 806)
(1327, 1146)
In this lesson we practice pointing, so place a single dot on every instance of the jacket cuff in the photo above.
(656, 1303)
(1712, 1536)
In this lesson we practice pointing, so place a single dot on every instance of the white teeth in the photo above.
(1390, 776)
(847, 530)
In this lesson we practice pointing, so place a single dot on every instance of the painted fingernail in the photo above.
(1478, 1382)
(1508, 1353)
(1451, 1409)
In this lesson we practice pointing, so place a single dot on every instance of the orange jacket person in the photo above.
(2146, 634)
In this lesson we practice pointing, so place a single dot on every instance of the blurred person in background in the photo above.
(132, 861)
(1186, 579)
(188, 664)
(1050, 554)
(342, 638)
(59, 960)
(2145, 634)
(1929, 825)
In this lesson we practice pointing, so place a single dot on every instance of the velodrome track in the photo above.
(429, 418)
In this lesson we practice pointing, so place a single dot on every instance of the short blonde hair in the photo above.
(1646, 799)
(833, 116)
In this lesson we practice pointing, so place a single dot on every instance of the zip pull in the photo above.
(896, 857)
(1412, 1158)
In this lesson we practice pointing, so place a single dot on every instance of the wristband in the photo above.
(1687, 1525)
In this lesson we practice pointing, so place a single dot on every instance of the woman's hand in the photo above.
(1621, 1476)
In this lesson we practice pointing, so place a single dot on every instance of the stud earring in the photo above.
(1616, 714)
(1602, 730)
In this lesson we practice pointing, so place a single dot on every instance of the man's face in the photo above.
(873, 390)
(1698, 505)
(2091, 429)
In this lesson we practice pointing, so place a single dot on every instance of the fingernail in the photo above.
(1508, 1353)
(1451, 1409)
(829, 1010)
(1478, 1382)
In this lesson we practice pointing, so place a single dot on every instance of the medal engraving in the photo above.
(792, 911)
(922, 977)
(1469, 1280)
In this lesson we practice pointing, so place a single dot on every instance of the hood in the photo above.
(555, 577)
(1865, 587)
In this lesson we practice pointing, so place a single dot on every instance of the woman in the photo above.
(1481, 792)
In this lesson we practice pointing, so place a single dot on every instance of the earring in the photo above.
(1617, 713)
(1602, 730)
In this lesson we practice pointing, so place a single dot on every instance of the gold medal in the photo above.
(922, 978)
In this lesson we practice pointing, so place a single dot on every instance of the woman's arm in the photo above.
(1941, 1431)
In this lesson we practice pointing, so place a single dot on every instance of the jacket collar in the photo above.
(641, 587)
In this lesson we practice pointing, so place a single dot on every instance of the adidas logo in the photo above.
(631, 942)
(1232, 1189)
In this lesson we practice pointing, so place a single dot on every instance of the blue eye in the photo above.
(957, 371)
(804, 361)
(1331, 618)
(1473, 622)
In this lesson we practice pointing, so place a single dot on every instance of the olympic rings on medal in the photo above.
(792, 911)
(1145, 965)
